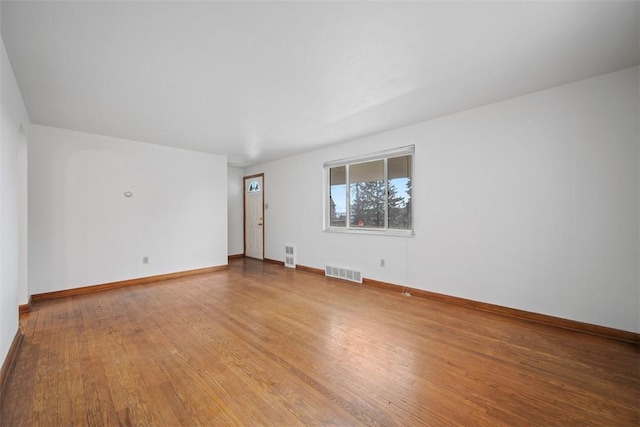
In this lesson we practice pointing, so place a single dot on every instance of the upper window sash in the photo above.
(396, 152)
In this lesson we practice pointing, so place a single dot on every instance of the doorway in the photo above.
(254, 216)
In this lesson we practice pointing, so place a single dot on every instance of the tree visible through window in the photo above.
(367, 194)
(371, 195)
(399, 197)
(337, 196)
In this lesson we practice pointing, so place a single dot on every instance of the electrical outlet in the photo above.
(145, 260)
(382, 262)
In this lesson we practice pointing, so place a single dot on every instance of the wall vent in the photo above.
(290, 256)
(343, 273)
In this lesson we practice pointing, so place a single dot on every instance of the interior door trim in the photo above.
(244, 212)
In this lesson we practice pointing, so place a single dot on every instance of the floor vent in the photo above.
(343, 273)
(290, 256)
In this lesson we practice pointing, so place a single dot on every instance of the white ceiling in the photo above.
(256, 81)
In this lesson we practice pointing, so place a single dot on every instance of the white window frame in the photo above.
(381, 155)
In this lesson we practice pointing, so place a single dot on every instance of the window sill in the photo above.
(371, 232)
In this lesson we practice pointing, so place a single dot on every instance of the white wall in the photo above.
(530, 203)
(235, 211)
(84, 231)
(13, 115)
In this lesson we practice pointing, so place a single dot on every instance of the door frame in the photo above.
(244, 212)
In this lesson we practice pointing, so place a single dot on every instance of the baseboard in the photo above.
(124, 283)
(298, 267)
(310, 269)
(236, 256)
(25, 308)
(10, 360)
(558, 322)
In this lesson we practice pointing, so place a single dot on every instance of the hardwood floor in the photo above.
(259, 344)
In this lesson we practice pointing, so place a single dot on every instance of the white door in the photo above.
(253, 217)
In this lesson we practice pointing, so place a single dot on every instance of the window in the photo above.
(370, 193)
(254, 187)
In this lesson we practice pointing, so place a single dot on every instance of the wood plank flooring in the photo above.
(261, 345)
